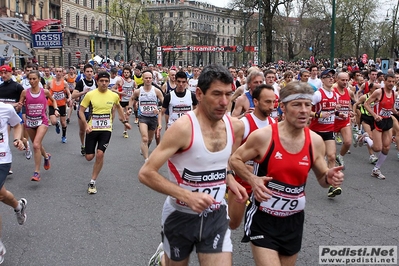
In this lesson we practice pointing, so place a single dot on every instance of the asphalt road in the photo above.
(121, 224)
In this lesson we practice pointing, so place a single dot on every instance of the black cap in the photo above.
(103, 74)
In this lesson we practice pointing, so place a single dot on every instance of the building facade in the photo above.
(195, 24)
(85, 22)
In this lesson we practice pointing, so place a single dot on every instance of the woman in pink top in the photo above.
(36, 123)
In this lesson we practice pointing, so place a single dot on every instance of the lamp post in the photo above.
(375, 48)
(332, 34)
(93, 42)
(259, 32)
(106, 29)
(394, 19)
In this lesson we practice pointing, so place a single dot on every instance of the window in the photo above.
(84, 23)
(100, 26)
(86, 43)
(77, 1)
(228, 21)
(68, 19)
(121, 46)
(84, 2)
(181, 14)
(171, 24)
(77, 42)
(161, 15)
(69, 40)
(223, 29)
(114, 29)
(33, 8)
(171, 14)
(92, 24)
(101, 44)
(100, 3)
(92, 4)
(77, 21)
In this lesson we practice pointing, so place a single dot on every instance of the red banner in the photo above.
(206, 48)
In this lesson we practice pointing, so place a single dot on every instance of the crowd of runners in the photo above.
(230, 138)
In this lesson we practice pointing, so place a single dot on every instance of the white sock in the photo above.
(92, 181)
(19, 207)
(369, 141)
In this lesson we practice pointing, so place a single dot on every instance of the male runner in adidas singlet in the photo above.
(264, 98)
(283, 153)
(197, 161)
(99, 128)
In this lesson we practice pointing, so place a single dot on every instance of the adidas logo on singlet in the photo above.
(304, 161)
(278, 156)
(208, 176)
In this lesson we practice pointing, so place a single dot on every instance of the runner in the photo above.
(58, 88)
(124, 87)
(99, 128)
(264, 99)
(384, 100)
(83, 86)
(8, 116)
(179, 101)
(138, 80)
(150, 118)
(284, 154)
(170, 83)
(324, 104)
(70, 79)
(344, 113)
(194, 212)
(36, 123)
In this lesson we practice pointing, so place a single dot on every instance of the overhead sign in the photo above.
(207, 48)
(47, 40)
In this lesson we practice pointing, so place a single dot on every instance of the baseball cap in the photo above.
(173, 68)
(326, 72)
(5, 68)
(103, 74)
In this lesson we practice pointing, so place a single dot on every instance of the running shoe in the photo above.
(35, 177)
(348, 152)
(338, 139)
(355, 137)
(339, 160)
(21, 215)
(57, 128)
(360, 140)
(83, 150)
(373, 159)
(10, 172)
(68, 120)
(2, 252)
(125, 135)
(377, 173)
(136, 121)
(63, 139)
(92, 188)
(28, 152)
(47, 164)
(156, 259)
(334, 191)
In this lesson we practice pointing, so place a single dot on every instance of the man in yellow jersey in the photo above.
(99, 127)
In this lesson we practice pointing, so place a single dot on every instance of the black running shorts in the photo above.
(383, 125)
(282, 234)
(326, 135)
(62, 112)
(4, 168)
(99, 139)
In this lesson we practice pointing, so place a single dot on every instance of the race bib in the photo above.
(33, 121)
(58, 95)
(327, 120)
(385, 112)
(148, 108)
(210, 182)
(286, 200)
(101, 121)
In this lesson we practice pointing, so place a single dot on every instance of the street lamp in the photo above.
(93, 42)
(332, 34)
(259, 32)
(375, 47)
(394, 18)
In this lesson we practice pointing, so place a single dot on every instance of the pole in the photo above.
(259, 33)
(106, 30)
(393, 31)
(332, 35)
(245, 28)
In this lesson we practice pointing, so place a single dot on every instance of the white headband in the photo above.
(297, 96)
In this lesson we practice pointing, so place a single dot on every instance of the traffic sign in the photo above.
(77, 54)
